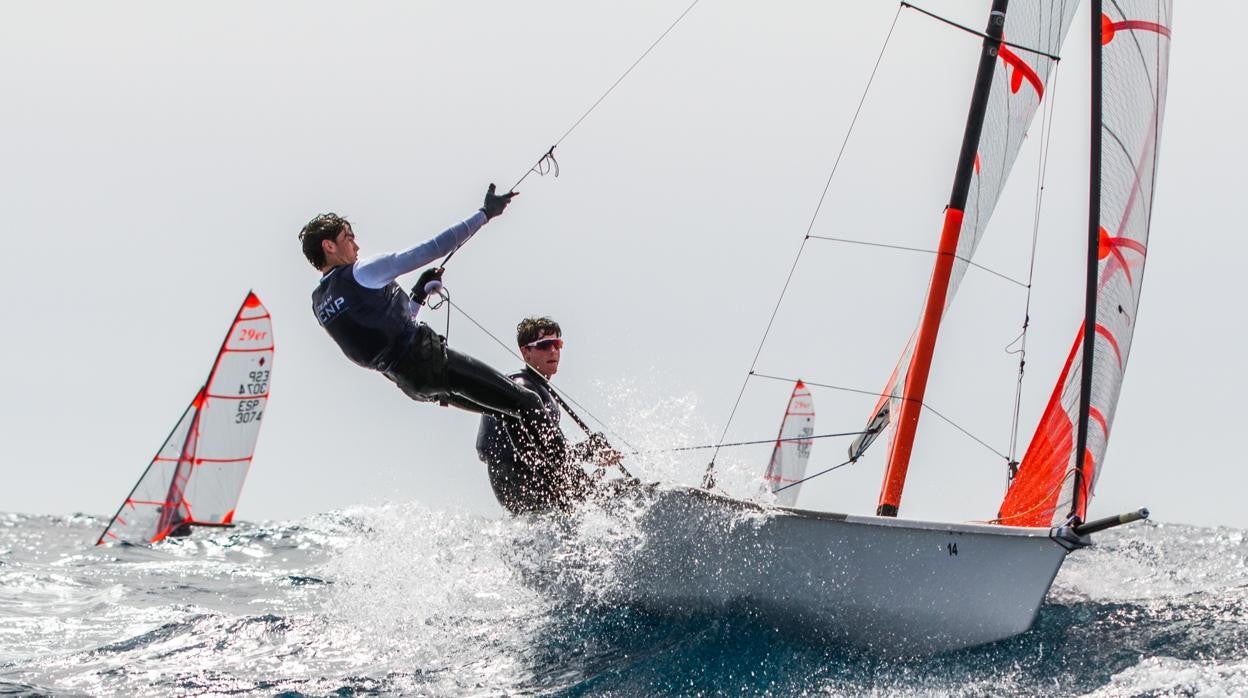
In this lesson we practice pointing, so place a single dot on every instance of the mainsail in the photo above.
(198, 473)
(1059, 471)
(1009, 90)
(792, 451)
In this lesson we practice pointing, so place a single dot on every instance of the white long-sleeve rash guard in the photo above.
(376, 272)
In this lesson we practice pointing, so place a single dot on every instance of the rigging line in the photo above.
(547, 163)
(560, 395)
(876, 393)
(969, 435)
(812, 477)
(824, 195)
(581, 423)
(626, 72)
(565, 394)
(1046, 142)
(980, 34)
(743, 443)
(920, 249)
(872, 393)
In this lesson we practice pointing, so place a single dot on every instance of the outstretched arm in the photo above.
(376, 272)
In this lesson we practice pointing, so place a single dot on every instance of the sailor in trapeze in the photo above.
(370, 317)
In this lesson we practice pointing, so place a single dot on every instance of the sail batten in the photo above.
(198, 473)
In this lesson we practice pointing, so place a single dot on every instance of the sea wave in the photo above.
(407, 599)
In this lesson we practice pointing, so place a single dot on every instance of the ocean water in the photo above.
(409, 600)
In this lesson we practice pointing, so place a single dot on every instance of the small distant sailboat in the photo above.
(792, 451)
(197, 475)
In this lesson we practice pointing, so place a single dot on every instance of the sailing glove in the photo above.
(494, 203)
(430, 281)
(597, 443)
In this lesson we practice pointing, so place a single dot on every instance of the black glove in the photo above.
(597, 443)
(494, 204)
(419, 294)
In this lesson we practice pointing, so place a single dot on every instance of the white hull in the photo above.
(896, 586)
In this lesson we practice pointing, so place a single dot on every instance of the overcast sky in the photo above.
(159, 159)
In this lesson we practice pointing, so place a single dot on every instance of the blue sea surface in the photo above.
(408, 600)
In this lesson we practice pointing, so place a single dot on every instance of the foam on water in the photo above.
(408, 599)
(404, 599)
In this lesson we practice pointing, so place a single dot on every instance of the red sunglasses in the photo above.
(546, 344)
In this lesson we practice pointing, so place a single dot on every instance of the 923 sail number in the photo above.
(258, 383)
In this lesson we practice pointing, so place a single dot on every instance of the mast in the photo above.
(916, 378)
(1093, 267)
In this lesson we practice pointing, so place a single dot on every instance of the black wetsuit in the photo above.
(523, 485)
(375, 329)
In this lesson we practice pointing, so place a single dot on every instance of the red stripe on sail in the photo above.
(1021, 71)
(1108, 245)
(1100, 419)
(797, 407)
(1144, 158)
(1109, 27)
(1109, 337)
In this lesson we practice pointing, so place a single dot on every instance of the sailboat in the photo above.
(197, 475)
(916, 587)
(787, 467)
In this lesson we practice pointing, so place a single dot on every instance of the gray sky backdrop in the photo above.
(159, 159)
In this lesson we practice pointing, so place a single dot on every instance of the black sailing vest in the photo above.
(373, 327)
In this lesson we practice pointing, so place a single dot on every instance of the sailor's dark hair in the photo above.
(531, 328)
(324, 227)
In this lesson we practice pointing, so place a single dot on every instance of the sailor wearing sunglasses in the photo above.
(520, 484)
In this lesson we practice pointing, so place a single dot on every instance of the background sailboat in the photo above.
(791, 454)
(197, 475)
